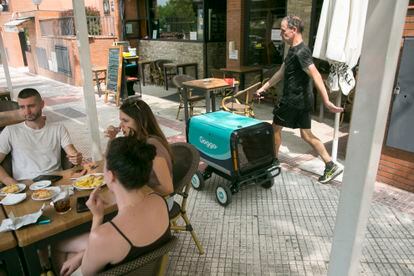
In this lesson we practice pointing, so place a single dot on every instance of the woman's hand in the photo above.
(70, 265)
(96, 204)
(111, 132)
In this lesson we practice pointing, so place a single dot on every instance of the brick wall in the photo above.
(396, 168)
(176, 51)
(235, 30)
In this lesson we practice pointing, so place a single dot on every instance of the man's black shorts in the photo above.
(284, 115)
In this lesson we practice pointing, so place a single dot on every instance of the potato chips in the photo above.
(89, 182)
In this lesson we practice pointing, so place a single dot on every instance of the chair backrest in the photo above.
(186, 159)
(8, 105)
(8, 166)
(159, 63)
(148, 264)
(246, 96)
(179, 79)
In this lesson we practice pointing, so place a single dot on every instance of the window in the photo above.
(177, 19)
(62, 58)
(263, 48)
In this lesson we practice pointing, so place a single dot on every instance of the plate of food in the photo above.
(45, 194)
(89, 181)
(40, 185)
(12, 199)
(12, 189)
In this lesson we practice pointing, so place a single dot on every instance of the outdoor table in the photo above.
(242, 71)
(176, 67)
(141, 69)
(205, 86)
(99, 73)
(62, 226)
(8, 250)
(10, 117)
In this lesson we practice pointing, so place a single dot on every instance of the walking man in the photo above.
(294, 109)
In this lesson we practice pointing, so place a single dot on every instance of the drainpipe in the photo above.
(88, 91)
(378, 64)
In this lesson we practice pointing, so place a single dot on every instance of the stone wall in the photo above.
(177, 51)
(303, 9)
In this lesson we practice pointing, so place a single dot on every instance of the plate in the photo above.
(12, 199)
(40, 185)
(53, 191)
(89, 182)
(206, 80)
(20, 186)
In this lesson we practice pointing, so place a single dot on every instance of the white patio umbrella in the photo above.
(339, 41)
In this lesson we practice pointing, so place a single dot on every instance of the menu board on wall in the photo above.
(114, 73)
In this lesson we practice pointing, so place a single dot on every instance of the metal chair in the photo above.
(192, 99)
(186, 159)
(241, 102)
(152, 263)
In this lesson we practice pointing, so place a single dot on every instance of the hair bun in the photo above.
(143, 152)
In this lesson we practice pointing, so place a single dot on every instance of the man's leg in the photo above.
(277, 130)
(331, 169)
(316, 144)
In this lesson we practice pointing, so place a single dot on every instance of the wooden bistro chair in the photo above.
(186, 159)
(9, 114)
(192, 99)
(242, 101)
(158, 71)
(152, 263)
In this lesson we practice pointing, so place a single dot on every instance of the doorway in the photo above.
(23, 46)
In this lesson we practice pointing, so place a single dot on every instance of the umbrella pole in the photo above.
(336, 129)
(5, 66)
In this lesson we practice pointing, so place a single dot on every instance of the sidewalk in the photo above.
(285, 230)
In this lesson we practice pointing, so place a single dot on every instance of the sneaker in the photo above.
(330, 173)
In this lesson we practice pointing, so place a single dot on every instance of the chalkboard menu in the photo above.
(114, 73)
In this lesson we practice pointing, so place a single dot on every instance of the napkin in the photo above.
(14, 223)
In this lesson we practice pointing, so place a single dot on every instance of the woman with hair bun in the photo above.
(137, 120)
(141, 224)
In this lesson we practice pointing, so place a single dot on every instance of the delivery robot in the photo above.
(238, 148)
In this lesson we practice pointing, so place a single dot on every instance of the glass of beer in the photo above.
(62, 202)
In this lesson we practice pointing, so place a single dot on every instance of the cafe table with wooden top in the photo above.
(34, 236)
(8, 251)
(206, 86)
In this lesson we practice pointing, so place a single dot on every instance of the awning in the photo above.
(11, 26)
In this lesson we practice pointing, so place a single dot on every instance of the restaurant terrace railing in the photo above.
(65, 26)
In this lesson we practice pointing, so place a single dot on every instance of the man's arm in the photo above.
(317, 80)
(4, 176)
(74, 156)
(273, 81)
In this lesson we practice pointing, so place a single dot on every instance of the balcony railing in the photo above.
(65, 26)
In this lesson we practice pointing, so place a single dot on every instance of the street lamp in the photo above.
(37, 3)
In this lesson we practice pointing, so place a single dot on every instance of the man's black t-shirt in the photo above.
(297, 87)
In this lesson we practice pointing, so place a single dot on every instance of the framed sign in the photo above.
(114, 73)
